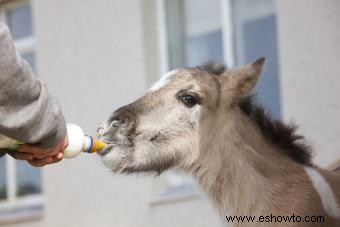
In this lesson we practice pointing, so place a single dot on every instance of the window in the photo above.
(20, 184)
(255, 35)
(194, 34)
(225, 31)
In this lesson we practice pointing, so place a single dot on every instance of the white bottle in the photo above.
(78, 142)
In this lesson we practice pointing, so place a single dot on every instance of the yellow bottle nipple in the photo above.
(97, 146)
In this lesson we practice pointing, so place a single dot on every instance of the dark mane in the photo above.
(212, 68)
(277, 132)
(280, 134)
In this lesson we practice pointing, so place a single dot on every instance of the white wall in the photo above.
(94, 57)
(309, 40)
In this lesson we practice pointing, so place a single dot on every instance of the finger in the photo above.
(21, 156)
(29, 148)
(47, 153)
(59, 156)
(66, 142)
(43, 156)
(37, 151)
(47, 161)
(41, 153)
(53, 151)
(40, 162)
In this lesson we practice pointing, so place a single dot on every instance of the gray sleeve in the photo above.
(27, 111)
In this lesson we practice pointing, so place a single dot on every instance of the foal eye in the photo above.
(188, 100)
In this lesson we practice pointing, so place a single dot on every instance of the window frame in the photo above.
(229, 55)
(28, 207)
(227, 34)
(171, 194)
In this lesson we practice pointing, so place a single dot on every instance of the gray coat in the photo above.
(27, 111)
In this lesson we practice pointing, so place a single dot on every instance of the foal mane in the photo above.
(278, 133)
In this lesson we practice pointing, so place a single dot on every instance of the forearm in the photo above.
(27, 111)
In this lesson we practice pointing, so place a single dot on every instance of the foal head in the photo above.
(170, 125)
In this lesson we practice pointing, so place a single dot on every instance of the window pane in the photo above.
(3, 178)
(202, 16)
(205, 47)
(30, 58)
(256, 36)
(28, 179)
(175, 32)
(203, 31)
(20, 21)
(194, 32)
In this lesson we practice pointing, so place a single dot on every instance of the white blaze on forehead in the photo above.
(328, 199)
(163, 81)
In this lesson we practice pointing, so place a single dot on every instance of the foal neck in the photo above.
(239, 168)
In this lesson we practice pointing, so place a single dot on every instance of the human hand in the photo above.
(39, 157)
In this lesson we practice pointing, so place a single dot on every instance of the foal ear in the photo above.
(242, 80)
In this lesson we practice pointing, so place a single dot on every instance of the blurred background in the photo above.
(98, 55)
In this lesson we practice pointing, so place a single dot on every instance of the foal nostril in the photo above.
(116, 123)
(123, 118)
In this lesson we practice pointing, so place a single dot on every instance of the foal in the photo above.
(202, 120)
